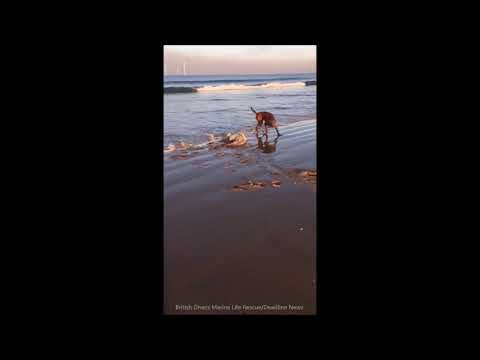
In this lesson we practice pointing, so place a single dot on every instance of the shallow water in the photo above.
(222, 103)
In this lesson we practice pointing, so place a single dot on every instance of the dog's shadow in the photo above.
(266, 146)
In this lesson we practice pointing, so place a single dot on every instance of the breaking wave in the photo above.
(272, 85)
(237, 87)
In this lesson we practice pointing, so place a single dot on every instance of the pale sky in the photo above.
(239, 59)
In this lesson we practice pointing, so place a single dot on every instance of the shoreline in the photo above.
(240, 226)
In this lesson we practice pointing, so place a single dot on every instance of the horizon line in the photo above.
(286, 73)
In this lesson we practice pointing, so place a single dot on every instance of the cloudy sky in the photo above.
(235, 59)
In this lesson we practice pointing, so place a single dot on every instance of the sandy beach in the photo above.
(234, 247)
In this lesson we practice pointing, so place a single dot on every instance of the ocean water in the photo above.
(195, 106)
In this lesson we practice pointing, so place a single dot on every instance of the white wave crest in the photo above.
(272, 85)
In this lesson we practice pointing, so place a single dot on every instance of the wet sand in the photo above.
(248, 249)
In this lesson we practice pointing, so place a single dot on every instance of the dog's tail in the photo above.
(253, 110)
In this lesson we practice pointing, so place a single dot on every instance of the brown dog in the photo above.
(267, 119)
